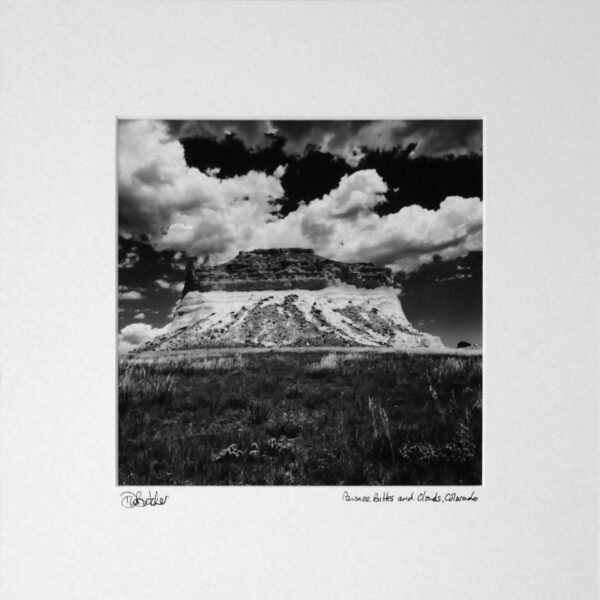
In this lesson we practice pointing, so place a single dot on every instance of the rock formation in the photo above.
(282, 269)
(289, 297)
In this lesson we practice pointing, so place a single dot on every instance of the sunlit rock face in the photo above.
(289, 297)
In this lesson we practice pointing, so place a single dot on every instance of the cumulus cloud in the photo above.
(343, 226)
(139, 316)
(135, 334)
(183, 209)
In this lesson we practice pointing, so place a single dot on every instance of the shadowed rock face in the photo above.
(283, 269)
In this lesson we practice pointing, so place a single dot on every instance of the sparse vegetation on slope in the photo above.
(307, 418)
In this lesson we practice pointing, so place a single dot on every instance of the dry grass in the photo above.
(328, 362)
(310, 418)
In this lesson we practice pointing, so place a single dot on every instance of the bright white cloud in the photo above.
(163, 284)
(280, 171)
(130, 295)
(181, 208)
(343, 226)
(177, 262)
(139, 316)
(185, 210)
(135, 334)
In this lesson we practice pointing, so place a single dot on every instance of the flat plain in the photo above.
(300, 417)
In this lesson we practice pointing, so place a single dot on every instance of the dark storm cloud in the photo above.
(439, 138)
(348, 139)
(332, 136)
(352, 138)
(252, 133)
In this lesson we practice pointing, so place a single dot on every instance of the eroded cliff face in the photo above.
(289, 297)
(283, 269)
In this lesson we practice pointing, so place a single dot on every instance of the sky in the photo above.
(402, 194)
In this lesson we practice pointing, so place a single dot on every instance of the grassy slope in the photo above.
(306, 418)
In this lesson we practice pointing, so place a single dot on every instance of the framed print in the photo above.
(299, 300)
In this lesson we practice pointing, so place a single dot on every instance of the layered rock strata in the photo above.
(289, 297)
(282, 269)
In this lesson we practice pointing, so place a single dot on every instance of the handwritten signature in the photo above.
(134, 499)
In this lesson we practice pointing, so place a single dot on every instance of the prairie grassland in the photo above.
(311, 418)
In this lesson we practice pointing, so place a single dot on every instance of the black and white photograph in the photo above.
(300, 302)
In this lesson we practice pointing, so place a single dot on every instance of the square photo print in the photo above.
(300, 302)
